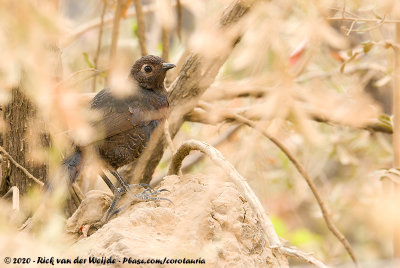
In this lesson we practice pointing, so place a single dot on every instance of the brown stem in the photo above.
(324, 209)
(141, 27)
(179, 19)
(396, 136)
(165, 43)
(115, 34)
(96, 57)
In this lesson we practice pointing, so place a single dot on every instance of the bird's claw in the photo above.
(149, 197)
(153, 192)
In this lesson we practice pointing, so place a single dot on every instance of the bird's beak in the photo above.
(167, 66)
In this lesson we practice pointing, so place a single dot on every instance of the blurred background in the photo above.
(316, 74)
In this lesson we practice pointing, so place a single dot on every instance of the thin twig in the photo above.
(179, 19)
(269, 231)
(141, 27)
(396, 137)
(115, 34)
(165, 43)
(96, 57)
(26, 172)
(324, 209)
(294, 252)
(364, 20)
(168, 137)
(199, 115)
(91, 25)
(165, 33)
(195, 158)
(73, 75)
(351, 28)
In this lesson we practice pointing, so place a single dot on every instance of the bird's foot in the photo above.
(147, 195)
(128, 188)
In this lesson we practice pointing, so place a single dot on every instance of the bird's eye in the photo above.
(148, 69)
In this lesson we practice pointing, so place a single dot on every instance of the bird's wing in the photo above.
(117, 116)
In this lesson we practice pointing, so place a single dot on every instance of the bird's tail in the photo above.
(69, 171)
(72, 165)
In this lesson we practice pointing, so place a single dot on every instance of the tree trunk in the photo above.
(17, 114)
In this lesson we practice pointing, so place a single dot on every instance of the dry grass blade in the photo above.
(14, 191)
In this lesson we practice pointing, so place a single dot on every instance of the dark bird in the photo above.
(126, 123)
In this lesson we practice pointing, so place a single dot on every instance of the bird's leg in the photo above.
(111, 210)
(127, 186)
(118, 192)
(121, 181)
(108, 182)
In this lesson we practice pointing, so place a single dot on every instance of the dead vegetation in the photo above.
(309, 80)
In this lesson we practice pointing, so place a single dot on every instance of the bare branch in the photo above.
(26, 172)
(96, 57)
(379, 21)
(396, 135)
(165, 32)
(115, 33)
(324, 209)
(307, 257)
(141, 27)
(168, 137)
(200, 115)
(195, 158)
(179, 19)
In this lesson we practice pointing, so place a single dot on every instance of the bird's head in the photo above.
(149, 71)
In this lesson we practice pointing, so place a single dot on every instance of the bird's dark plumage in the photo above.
(127, 123)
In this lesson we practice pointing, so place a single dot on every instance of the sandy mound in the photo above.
(209, 220)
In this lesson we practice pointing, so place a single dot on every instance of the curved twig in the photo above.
(24, 170)
(294, 252)
(266, 224)
(324, 209)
